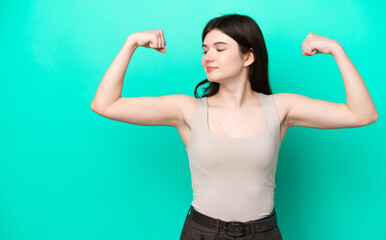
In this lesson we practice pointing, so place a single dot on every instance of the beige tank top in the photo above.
(233, 179)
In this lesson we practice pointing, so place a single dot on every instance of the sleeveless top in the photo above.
(233, 179)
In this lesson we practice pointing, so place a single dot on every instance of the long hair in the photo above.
(245, 31)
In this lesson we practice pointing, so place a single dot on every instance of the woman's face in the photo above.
(222, 52)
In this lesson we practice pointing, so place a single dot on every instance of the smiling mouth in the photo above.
(211, 68)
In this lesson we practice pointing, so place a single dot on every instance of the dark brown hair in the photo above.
(245, 31)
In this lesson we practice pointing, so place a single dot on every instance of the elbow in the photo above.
(94, 108)
(371, 120)
(376, 117)
(99, 107)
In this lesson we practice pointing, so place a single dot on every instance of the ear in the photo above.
(249, 58)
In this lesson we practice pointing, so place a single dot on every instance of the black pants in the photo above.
(194, 231)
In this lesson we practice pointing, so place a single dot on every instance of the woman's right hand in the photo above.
(150, 39)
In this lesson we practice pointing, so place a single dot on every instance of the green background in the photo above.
(69, 173)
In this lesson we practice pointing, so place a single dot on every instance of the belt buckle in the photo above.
(239, 233)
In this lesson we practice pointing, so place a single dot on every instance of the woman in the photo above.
(233, 132)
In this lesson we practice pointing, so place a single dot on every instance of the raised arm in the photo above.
(315, 113)
(107, 102)
(110, 88)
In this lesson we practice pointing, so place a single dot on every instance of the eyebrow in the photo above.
(216, 43)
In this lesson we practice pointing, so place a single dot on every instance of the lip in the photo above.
(209, 69)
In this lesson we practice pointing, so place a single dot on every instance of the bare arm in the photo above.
(357, 96)
(154, 111)
(110, 88)
(316, 113)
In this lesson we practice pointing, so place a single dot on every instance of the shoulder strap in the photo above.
(271, 115)
(198, 121)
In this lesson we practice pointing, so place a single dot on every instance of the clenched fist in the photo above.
(316, 44)
(150, 39)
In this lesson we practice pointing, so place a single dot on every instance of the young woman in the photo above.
(233, 133)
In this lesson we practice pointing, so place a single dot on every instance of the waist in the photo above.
(233, 228)
(229, 207)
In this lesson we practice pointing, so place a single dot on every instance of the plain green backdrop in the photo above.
(69, 173)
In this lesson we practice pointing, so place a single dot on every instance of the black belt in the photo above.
(235, 228)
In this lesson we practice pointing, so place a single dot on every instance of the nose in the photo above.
(208, 57)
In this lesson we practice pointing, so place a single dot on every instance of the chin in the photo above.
(216, 80)
(212, 80)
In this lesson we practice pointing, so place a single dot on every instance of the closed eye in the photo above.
(220, 50)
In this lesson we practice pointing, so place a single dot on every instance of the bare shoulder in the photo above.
(186, 106)
(283, 102)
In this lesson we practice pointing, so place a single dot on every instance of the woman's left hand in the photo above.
(316, 44)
